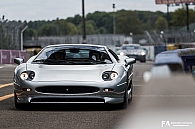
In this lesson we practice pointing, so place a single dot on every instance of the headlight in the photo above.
(27, 75)
(113, 76)
(105, 76)
(109, 75)
(24, 76)
(143, 53)
(122, 53)
(31, 75)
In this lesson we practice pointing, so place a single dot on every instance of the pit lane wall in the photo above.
(7, 56)
(149, 52)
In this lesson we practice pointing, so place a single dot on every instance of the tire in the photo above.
(131, 99)
(125, 103)
(127, 100)
(143, 60)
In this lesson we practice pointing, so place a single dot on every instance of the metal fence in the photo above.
(108, 40)
(11, 35)
(148, 38)
(165, 37)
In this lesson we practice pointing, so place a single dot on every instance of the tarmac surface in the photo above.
(85, 116)
(166, 103)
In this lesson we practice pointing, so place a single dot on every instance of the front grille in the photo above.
(67, 100)
(67, 89)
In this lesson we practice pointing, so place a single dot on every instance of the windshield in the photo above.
(130, 47)
(77, 55)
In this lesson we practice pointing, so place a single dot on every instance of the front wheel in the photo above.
(127, 100)
(125, 103)
(143, 60)
(131, 93)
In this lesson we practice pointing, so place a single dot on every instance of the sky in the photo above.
(32, 10)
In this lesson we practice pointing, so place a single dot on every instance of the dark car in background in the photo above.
(133, 51)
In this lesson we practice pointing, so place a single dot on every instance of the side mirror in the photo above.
(18, 61)
(129, 61)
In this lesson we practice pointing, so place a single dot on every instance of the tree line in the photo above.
(127, 21)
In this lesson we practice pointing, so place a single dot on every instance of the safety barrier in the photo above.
(7, 56)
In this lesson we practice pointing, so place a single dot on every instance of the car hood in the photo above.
(69, 72)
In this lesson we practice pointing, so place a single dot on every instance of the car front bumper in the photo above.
(32, 96)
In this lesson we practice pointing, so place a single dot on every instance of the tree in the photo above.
(72, 30)
(102, 30)
(148, 18)
(30, 33)
(76, 20)
(179, 17)
(102, 19)
(63, 27)
(90, 27)
(48, 30)
(128, 21)
(98, 23)
(161, 24)
(146, 26)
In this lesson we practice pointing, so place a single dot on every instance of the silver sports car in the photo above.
(133, 51)
(74, 73)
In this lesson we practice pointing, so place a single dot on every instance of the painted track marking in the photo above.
(4, 85)
(6, 97)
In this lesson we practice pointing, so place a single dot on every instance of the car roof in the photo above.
(167, 57)
(92, 45)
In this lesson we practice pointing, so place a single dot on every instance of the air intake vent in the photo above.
(67, 89)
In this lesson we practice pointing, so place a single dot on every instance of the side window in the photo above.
(113, 54)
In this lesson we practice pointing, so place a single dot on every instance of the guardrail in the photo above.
(7, 56)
